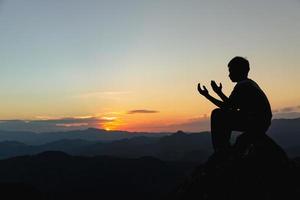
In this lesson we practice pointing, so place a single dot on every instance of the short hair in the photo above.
(240, 64)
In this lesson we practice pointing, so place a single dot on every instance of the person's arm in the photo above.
(215, 101)
(204, 92)
(218, 90)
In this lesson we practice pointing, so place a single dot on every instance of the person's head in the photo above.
(238, 69)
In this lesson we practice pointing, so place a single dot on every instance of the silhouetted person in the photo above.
(247, 109)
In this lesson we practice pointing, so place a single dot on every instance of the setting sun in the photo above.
(111, 123)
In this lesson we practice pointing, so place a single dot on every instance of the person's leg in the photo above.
(220, 130)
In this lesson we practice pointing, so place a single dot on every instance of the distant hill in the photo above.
(91, 134)
(57, 175)
(13, 148)
(286, 131)
(178, 146)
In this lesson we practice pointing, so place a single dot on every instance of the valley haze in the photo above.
(180, 146)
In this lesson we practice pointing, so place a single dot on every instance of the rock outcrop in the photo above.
(264, 172)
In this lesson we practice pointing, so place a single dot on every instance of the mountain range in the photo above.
(178, 146)
(92, 164)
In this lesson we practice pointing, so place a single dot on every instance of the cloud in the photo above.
(142, 111)
(286, 115)
(288, 109)
(194, 125)
(48, 125)
(287, 112)
(59, 120)
(197, 124)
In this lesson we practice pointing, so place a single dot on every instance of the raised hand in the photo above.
(217, 89)
(203, 91)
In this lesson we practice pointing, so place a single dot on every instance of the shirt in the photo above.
(249, 98)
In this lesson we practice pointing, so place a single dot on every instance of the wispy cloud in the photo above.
(57, 124)
(287, 115)
(287, 109)
(195, 124)
(142, 111)
(287, 112)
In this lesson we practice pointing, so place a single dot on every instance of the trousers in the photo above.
(223, 122)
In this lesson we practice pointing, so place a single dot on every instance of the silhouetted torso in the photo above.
(248, 98)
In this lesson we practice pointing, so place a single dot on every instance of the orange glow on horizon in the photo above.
(113, 123)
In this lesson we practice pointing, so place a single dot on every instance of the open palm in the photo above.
(215, 87)
(203, 91)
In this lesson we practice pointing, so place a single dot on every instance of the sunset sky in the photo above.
(134, 64)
